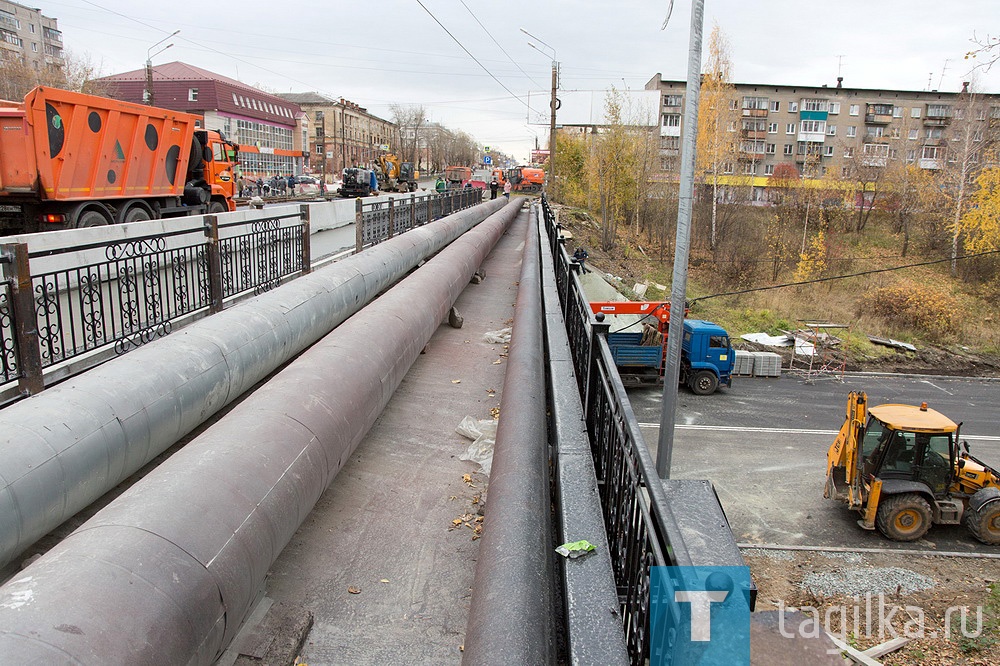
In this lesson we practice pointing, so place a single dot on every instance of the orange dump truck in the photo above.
(72, 160)
(526, 179)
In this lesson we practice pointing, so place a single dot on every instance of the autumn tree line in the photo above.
(808, 222)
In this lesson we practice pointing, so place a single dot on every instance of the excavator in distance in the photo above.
(395, 175)
(902, 468)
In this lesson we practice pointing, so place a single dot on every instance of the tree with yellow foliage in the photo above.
(718, 117)
(980, 226)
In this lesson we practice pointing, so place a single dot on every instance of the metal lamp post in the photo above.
(148, 93)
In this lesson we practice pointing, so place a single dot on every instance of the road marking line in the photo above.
(937, 387)
(794, 431)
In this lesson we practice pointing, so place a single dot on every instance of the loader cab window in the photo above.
(935, 461)
(900, 455)
(873, 435)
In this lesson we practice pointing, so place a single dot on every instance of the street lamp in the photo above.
(553, 105)
(148, 92)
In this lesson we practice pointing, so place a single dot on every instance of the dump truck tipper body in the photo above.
(73, 160)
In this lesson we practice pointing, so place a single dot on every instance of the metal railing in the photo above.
(641, 530)
(381, 220)
(114, 296)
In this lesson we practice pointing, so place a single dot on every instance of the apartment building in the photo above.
(345, 133)
(26, 34)
(819, 129)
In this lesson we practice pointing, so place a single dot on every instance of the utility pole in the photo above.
(553, 105)
(685, 203)
(148, 92)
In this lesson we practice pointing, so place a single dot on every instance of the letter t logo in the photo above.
(701, 610)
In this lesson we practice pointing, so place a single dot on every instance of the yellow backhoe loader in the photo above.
(902, 468)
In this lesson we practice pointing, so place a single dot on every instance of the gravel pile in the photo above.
(768, 553)
(871, 580)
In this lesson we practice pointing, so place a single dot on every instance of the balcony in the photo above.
(753, 134)
(755, 113)
(878, 118)
(937, 121)
(930, 163)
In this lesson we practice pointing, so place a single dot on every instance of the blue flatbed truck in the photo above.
(707, 357)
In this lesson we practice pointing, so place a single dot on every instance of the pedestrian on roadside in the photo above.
(291, 185)
(440, 185)
(581, 258)
(494, 186)
(260, 186)
(239, 186)
(506, 189)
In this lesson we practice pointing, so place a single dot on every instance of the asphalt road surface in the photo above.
(763, 444)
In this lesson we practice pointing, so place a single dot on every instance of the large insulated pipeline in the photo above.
(62, 449)
(167, 572)
(510, 619)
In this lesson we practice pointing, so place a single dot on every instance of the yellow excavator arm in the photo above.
(842, 458)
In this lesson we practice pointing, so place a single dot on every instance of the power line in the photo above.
(499, 46)
(455, 39)
(843, 277)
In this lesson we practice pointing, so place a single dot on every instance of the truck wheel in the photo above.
(91, 218)
(137, 214)
(985, 523)
(216, 207)
(905, 517)
(704, 382)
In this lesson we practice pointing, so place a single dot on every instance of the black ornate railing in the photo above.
(641, 530)
(380, 220)
(88, 301)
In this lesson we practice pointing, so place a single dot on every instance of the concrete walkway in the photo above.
(379, 561)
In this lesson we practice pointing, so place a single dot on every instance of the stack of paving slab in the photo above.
(744, 363)
(766, 364)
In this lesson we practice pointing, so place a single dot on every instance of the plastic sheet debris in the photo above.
(498, 337)
(896, 344)
(484, 436)
(575, 549)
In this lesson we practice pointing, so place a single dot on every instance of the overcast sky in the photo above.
(413, 52)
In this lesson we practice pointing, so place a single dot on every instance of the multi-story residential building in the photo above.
(273, 133)
(345, 133)
(819, 129)
(28, 35)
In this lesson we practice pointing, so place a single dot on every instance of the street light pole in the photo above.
(553, 106)
(148, 93)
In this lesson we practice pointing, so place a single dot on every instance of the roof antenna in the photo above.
(943, 70)
(930, 77)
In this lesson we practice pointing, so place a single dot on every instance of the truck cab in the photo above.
(707, 357)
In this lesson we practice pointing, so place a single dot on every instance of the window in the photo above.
(852, 131)
(877, 149)
(933, 133)
(913, 134)
(844, 172)
(34, 47)
(319, 148)
(775, 106)
(787, 150)
(977, 135)
(733, 104)
(758, 103)
(855, 108)
(879, 109)
(671, 100)
(931, 152)
(938, 111)
(874, 131)
(915, 112)
(911, 155)
(768, 169)
(790, 128)
(727, 167)
(772, 128)
(731, 127)
(894, 132)
(831, 130)
(192, 94)
(897, 112)
(9, 20)
(834, 107)
(32, 28)
(769, 148)
(849, 151)
(828, 151)
(749, 168)
(793, 107)
(671, 120)
(960, 113)
(814, 126)
(814, 105)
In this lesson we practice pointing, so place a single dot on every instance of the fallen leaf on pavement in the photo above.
(354, 590)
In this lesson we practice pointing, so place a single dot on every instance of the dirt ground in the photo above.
(958, 582)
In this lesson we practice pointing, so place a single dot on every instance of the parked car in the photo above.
(306, 185)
